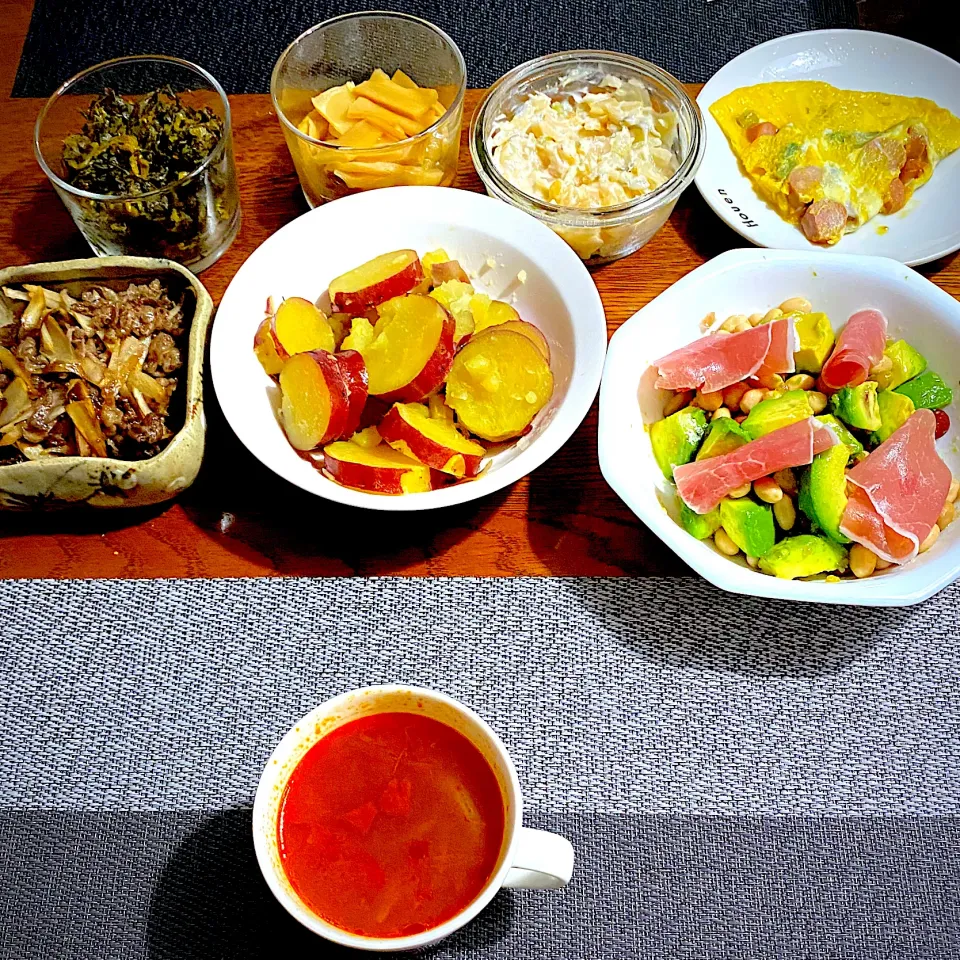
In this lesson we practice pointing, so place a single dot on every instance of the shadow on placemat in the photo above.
(211, 901)
(185, 885)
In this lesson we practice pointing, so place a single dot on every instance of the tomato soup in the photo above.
(390, 825)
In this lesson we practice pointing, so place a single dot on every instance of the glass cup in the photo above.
(191, 220)
(602, 234)
(350, 48)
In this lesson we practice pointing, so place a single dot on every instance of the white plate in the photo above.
(301, 259)
(748, 281)
(927, 228)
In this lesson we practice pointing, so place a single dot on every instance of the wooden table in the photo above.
(239, 519)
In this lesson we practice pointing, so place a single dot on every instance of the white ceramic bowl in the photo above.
(747, 281)
(558, 295)
(927, 228)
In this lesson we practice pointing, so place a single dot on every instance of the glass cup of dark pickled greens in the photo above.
(140, 151)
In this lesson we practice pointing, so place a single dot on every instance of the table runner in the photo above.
(740, 778)
(240, 42)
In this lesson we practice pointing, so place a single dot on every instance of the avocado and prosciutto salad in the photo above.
(809, 453)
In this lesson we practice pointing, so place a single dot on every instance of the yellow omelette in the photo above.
(830, 159)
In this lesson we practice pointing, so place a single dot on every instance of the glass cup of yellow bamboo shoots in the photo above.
(370, 100)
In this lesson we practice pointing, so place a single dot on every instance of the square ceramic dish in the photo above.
(510, 255)
(747, 281)
(105, 482)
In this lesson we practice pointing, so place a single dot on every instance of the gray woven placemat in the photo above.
(239, 42)
(740, 778)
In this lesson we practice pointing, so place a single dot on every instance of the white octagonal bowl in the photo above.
(557, 294)
(747, 281)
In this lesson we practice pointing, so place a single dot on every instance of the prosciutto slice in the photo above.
(702, 484)
(859, 346)
(783, 345)
(715, 361)
(900, 490)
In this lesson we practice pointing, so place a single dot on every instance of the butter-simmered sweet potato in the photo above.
(499, 382)
(410, 429)
(438, 408)
(410, 350)
(379, 469)
(448, 270)
(353, 371)
(491, 313)
(267, 349)
(297, 326)
(387, 276)
(314, 406)
(300, 326)
(527, 330)
(456, 297)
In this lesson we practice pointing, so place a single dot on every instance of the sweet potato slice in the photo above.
(527, 330)
(491, 313)
(354, 373)
(498, 384)
(409, 428)
(438, 408)
(296, 327)
(299, 327)
(267, 349)
(379, 469)
(387, 276)
(410, 351)
(315, 408)
(448, 270)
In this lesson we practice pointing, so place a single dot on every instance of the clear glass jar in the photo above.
(191, 220)
(351, 47)
(601, 234)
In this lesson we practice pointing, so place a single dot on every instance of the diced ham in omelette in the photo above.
(702, 484)
(783, 345)
(900, 490)
(716, 361)
(859, 346)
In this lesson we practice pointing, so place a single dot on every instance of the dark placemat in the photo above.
(740, 778)
(239, 42)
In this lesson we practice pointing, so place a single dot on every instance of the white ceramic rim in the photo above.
(707, 96)
(293, 737)
(902, 587)
(589, 325)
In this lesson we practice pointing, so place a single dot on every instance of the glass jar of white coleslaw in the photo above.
(595, 144)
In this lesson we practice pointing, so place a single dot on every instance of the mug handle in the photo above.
(541, 861)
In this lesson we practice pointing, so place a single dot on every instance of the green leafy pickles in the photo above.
(164, 172)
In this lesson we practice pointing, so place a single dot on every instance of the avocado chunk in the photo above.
(724, 437)
(777, 412)
(749, 525)
(803, 556)
(842, 434)
(814, 342)
(895, 411)
(676, 438)
(857, 406)
(928, 390)
(907, 364)
(699, 525)
(823, 492)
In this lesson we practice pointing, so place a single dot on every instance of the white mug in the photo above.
(528, 858)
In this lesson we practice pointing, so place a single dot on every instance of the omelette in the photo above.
(830, 159)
